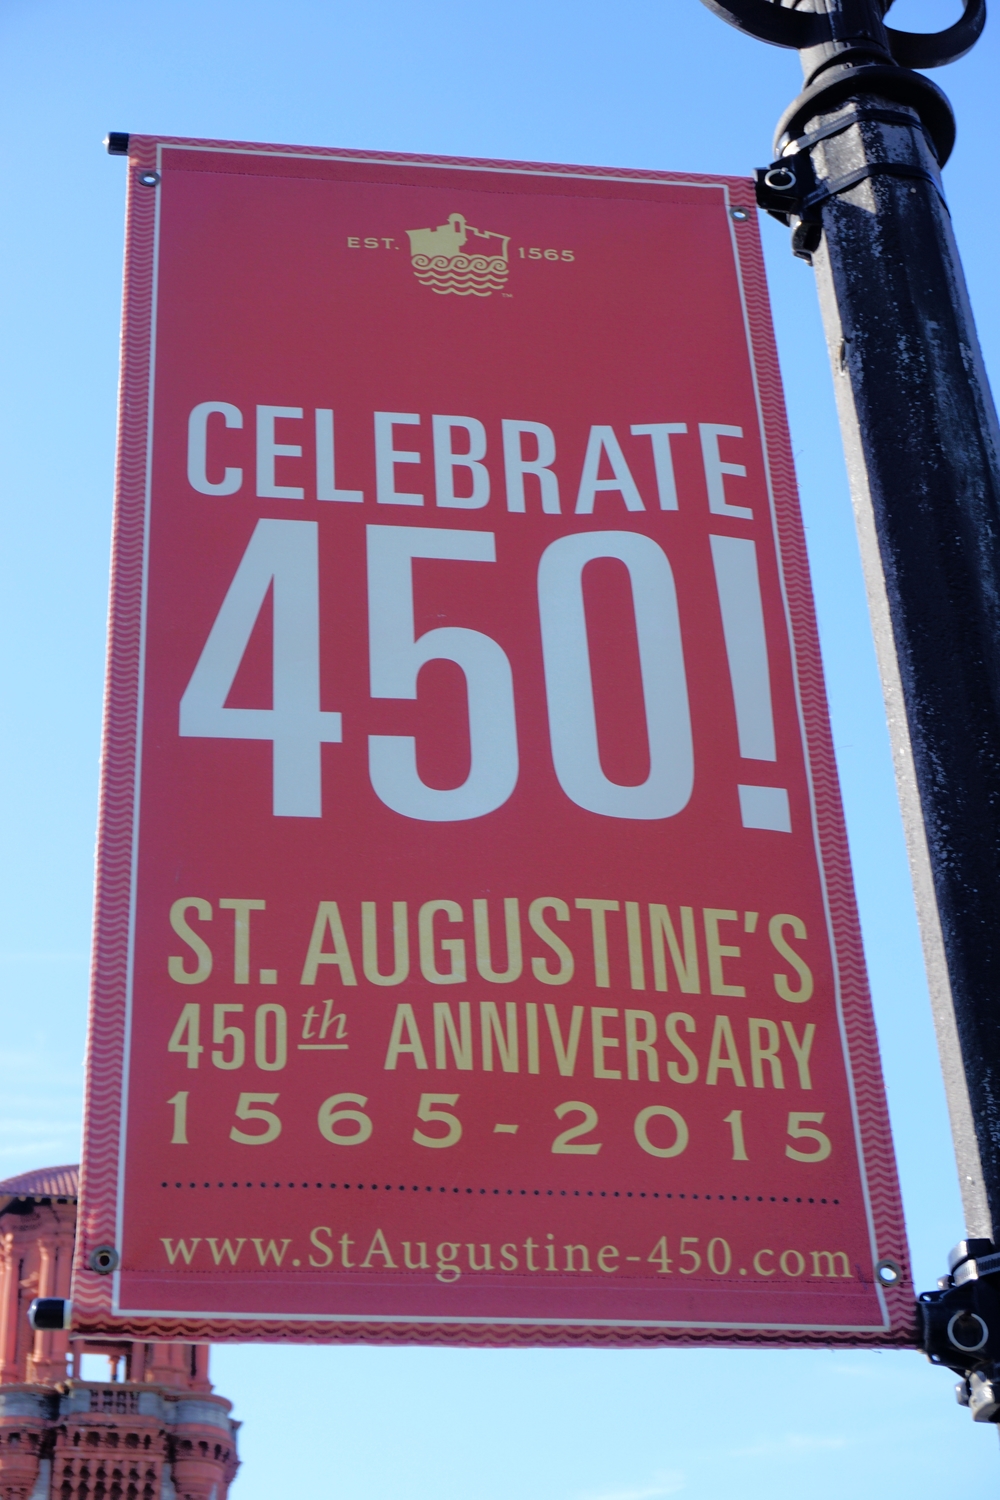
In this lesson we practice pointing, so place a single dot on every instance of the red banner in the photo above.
(476, 950)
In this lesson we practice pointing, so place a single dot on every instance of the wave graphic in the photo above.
(461, 275)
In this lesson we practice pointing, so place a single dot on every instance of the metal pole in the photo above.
(857, 179)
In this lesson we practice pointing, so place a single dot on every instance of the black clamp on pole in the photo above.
(846, 52)
(961, 1326)
(789, 190)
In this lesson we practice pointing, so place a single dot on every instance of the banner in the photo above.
(476, 952)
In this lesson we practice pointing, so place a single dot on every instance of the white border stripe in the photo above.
(137, 784)
(472, 1321)
(834, 959)
(389, 163)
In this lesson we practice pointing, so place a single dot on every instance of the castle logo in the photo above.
(449, 260)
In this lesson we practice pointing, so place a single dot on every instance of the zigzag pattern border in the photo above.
(482, 1335)
(737, 185)
(859, 1022)
(107, 1018)
(92, 1294)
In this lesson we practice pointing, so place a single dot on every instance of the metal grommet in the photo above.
(739, 214)
(103, 1260)
(780, 179)
(888, 1272)
(957, 1343)
(149, 179)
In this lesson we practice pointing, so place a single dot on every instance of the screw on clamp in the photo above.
(103, 1259)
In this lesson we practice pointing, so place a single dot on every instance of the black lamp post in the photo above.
(857, 178)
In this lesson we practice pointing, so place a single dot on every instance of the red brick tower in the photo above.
(154, 1430)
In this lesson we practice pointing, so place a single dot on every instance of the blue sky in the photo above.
(635, 84)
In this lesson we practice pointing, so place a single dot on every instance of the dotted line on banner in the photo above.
(388, 1187)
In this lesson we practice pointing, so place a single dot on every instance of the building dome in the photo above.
(46, 1182)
